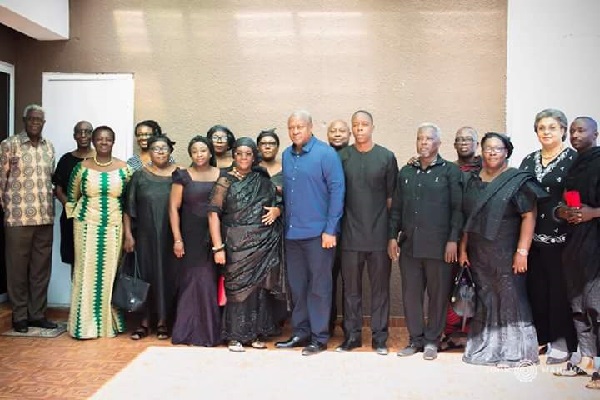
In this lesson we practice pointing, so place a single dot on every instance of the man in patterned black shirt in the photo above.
(426, 215)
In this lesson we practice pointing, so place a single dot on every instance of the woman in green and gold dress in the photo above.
(95, 202)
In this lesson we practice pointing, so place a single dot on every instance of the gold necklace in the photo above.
(102, 164)
(237, 173)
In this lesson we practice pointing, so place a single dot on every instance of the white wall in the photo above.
(552, 62)
(40, 19)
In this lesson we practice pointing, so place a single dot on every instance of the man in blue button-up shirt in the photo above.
(314, 202)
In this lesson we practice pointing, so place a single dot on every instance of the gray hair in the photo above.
(33, 107)
(471, 130)
(81, 123)
(303, 115)
(552, 113)
(429, 125)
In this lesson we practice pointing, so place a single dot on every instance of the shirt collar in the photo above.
(308, 146)
(24, 138)
(438, 161)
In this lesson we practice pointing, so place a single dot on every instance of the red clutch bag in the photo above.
(221, 296)
(572, 198)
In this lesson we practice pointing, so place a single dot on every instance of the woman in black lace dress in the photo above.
(246, 235)
(546, 284)
(500, 204)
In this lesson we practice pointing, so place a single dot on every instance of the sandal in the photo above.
(162, 333)
(595, 382)
(571, 370)
(140, 333)
(235, 346)
(258, 344)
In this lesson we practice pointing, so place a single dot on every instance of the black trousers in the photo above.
(378, 267)
(335, 274)
(418, 275)
(547, 291)
(309, 275)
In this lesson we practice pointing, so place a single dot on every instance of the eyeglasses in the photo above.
(157, 150)
(34, 119)
(497, 149)
(464, 140)
(144, 136)
(219, 139)
(243, 154)
(265, 144)
(83, 132)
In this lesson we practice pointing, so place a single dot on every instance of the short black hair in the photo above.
(503, 138)
(267, 133)
(152, 124)
(162, 138)
(96, 131)
(221, 128)
(201, 139)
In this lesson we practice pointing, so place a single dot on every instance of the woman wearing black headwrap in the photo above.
(246, 234)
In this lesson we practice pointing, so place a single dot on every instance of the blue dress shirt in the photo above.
(313, 190)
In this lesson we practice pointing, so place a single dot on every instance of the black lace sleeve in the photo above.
(218, 194)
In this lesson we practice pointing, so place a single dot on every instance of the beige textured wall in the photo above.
(248, 64)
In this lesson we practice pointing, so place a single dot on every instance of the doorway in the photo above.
(102, 99)
(7, 115)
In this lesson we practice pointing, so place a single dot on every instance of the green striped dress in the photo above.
(95, 202)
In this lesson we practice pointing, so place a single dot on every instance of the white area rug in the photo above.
(215, 373)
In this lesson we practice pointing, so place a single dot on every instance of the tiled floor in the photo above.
(64, 368)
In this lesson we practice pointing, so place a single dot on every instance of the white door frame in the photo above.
(10, 70)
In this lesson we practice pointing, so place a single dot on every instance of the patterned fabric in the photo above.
(549, 231)
(135, 162)
(26, 181)
(95, 202)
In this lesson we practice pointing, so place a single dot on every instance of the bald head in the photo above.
(338, 134)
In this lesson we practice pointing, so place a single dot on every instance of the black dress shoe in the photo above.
(43, 323)
(349, 345)
(20, 326)
(294, 341)
(314, 348)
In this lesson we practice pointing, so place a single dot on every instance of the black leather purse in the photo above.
(464, 295)
(129, 290)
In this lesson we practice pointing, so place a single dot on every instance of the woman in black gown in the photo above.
(82, 133)
(197, 319)
(148, 207)
(546, 286)
(500, 205)
(246, 234)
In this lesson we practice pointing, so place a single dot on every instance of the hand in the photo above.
(328, 241)
(463, 259)
(178, 249)
(579, 215)
(271, 215)
(129, 244)
(451, 253)
(393, 250)
(519, 263)
(219, 257)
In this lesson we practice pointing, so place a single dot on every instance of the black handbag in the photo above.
(129, 290)
(464, 295)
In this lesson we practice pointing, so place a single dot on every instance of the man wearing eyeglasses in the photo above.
(424, 227)
(82, 133)
(27, 162)
(465, 143)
